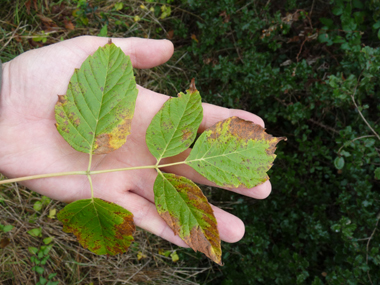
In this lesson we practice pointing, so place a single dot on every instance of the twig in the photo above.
(306, 38)
(141, 268)
(361, 115)
(237, 49)
(11, 37)
(324, 126)
(355, 139)
(369, 240)
(312, 7)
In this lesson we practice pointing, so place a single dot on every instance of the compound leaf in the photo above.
(95, 114)
(175, 126)
(102, 227)
(234, 153)
(185, 209)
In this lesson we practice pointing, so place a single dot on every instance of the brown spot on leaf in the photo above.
(105, 143)
(127, 228)
(171, 221)
(74, 119)
(109, 42)
(245, 130)
(186, 134)
(62, 99)
(205, 242)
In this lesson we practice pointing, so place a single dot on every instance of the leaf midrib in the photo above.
(101, 101)
(203, 158)
(189, 97)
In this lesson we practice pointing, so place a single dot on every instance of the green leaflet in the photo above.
(102, 227)
(95, 114)
(186, 211)
(234, 153)
(175, 126)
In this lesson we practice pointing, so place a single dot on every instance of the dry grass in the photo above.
(29, 24)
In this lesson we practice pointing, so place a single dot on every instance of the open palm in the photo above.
(30, 143)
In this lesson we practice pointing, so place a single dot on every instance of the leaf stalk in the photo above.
(87, 173)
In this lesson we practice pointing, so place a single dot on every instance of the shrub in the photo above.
(312, 73)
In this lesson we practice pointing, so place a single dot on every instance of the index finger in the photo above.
(213, 114)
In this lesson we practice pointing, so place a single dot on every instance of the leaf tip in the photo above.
(192, 88)
(109, 41)
(61, 99)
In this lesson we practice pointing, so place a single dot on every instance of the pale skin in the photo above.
(31, 145)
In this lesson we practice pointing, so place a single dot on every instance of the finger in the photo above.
(231, 228)
(146, 216)
(213, 114)
(144, 53)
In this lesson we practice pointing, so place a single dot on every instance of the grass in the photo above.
(29, 24)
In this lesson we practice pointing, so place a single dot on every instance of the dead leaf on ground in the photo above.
(194, 37)
(293, 39)
(27, 5)
(69, 25)
(56, 9)
(17, 38)
(45, 19)
(35, 5)
(170, 34)
(4, 242)
(225, 16)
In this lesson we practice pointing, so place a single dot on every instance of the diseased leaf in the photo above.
(234, 153)
(175, 126)
(95, 114)
(102, 227)
(185, 209)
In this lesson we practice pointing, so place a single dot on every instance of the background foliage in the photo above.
(310, 69)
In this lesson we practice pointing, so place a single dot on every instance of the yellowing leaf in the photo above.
(175, 126)
(174, 256)
(185, 209)
(118, 6)
(234, 153)
(95, 114)
(102, 227)
(52, 213)
(141, 255)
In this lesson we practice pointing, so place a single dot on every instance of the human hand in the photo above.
(30, 143)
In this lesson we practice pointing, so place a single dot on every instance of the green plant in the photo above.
(40, 257)
(95, 117)
(6, 228)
